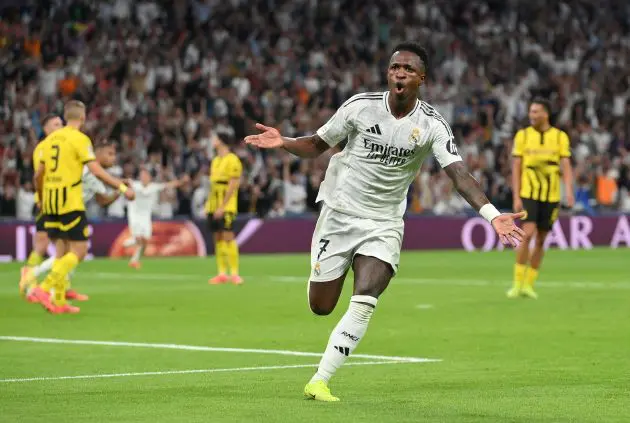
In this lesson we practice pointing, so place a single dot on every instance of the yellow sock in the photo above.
(532, 275)
(219, 253)
(56, 281)
(231, 249)
(519, 275)
(34, 259)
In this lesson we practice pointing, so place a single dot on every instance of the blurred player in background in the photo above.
(58, 181)
(139, 212)
(540, 153)
(221, 207)
(93, 187)
(365, 194)
(50, 123)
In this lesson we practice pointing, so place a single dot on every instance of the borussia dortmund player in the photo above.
(540, 153)
(225, 177)
(58, 181)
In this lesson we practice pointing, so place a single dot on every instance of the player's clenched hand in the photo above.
(218, 214)
(507, 230)
(269, 138)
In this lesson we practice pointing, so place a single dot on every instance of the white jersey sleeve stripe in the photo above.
(430, 111)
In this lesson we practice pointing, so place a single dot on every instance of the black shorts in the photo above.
(40, 219)
(71, 226)
(542, 213)
(223, 224)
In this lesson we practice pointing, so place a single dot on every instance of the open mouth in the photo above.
(400, 88)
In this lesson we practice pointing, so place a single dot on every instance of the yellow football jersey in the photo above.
(64, 152)
(540, 153)
(222, 170)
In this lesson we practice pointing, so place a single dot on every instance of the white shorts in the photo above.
(140, 227)
(338, 237)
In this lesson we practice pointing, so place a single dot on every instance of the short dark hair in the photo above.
(104, 143)
(416, 49)
(543, 102)
(226, 138)
(48, 118)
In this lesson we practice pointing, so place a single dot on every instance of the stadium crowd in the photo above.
(161, 77)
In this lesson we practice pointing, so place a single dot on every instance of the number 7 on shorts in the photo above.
(322, 249)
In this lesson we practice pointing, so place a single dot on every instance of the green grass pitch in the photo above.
(563, 358)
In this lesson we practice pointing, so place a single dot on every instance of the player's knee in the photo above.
(321, 309)
(80, 249)
(321, 305)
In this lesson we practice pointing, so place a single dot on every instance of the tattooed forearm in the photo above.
(466, 185)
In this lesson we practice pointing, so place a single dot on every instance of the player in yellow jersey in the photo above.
(221, 207)
(50, 123)
(93, 188)
(541, 153)
(58, 181)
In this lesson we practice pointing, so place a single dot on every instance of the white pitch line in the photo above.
(397, 280)
(194, 371)
(210, 349)
(424, 306)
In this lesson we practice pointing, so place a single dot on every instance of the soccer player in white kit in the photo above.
(139, 212)
(364, 194)
(105, 153)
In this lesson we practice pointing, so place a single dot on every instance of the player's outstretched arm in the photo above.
(307, 147)
(98, 171)
(469, 188)
(104, 200)
(178, 182)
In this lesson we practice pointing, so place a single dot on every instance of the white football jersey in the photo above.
(91, 185)
(371, 176)
(146, 199)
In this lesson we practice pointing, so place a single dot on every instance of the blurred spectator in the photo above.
(583, 195)
(25, 202)
(294, 192)
(8, 201)
(161, 77)
(607, 185)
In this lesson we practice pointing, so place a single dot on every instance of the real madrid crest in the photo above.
(414, 138)
(317, 269)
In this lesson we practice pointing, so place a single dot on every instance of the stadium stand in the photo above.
(159, 77)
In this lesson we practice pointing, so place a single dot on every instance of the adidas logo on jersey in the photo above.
(375, 130)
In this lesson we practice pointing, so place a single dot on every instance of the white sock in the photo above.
(137, 254)
(44, 267)
(346, 336)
